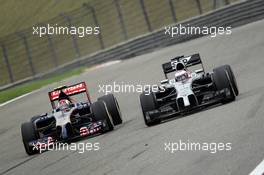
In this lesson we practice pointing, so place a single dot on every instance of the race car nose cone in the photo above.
(64, 133)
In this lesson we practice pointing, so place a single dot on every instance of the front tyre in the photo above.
(29, 134)
(232, 78)
(100, 113)
(148, 103)
(222, 81)
(112, 107)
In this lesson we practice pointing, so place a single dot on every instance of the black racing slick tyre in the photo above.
(100, 113)
(148, 103)
(29, 134)
(222, 81)
(232, 78)
(112, 107)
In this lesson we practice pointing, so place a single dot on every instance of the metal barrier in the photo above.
(127, 28)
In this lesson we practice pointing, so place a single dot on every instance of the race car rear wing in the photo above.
(70, 91)
(188, 61)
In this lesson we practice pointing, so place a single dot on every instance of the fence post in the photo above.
(51, 46)
(53, 52)
(172, 11)
(121, 20)
(219, 3)
(142, 4)
(214, 4)
(10, 74)
(28, 51)
(199, 6)
(74, 39)
(92, 10)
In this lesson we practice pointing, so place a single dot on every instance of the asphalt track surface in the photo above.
(134, 148)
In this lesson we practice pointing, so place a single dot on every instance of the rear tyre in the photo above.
(100, 113)
(29, 134)
(148, 103)
(112, 107)
(222, 81)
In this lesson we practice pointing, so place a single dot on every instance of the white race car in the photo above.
(188, 90)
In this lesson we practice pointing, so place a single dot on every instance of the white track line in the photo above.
(14, 99)
(259, 170)
(104, 65)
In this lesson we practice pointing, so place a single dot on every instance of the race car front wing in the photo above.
(169, 112)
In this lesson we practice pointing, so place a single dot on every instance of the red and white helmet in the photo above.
(64, 104)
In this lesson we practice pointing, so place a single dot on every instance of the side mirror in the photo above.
(199, 71)
(166, 81)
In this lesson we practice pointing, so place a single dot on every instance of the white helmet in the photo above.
(181, 76)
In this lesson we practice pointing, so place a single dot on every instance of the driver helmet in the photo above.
(181, 76)
(64, 105)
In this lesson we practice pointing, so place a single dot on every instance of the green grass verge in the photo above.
(33, 85)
